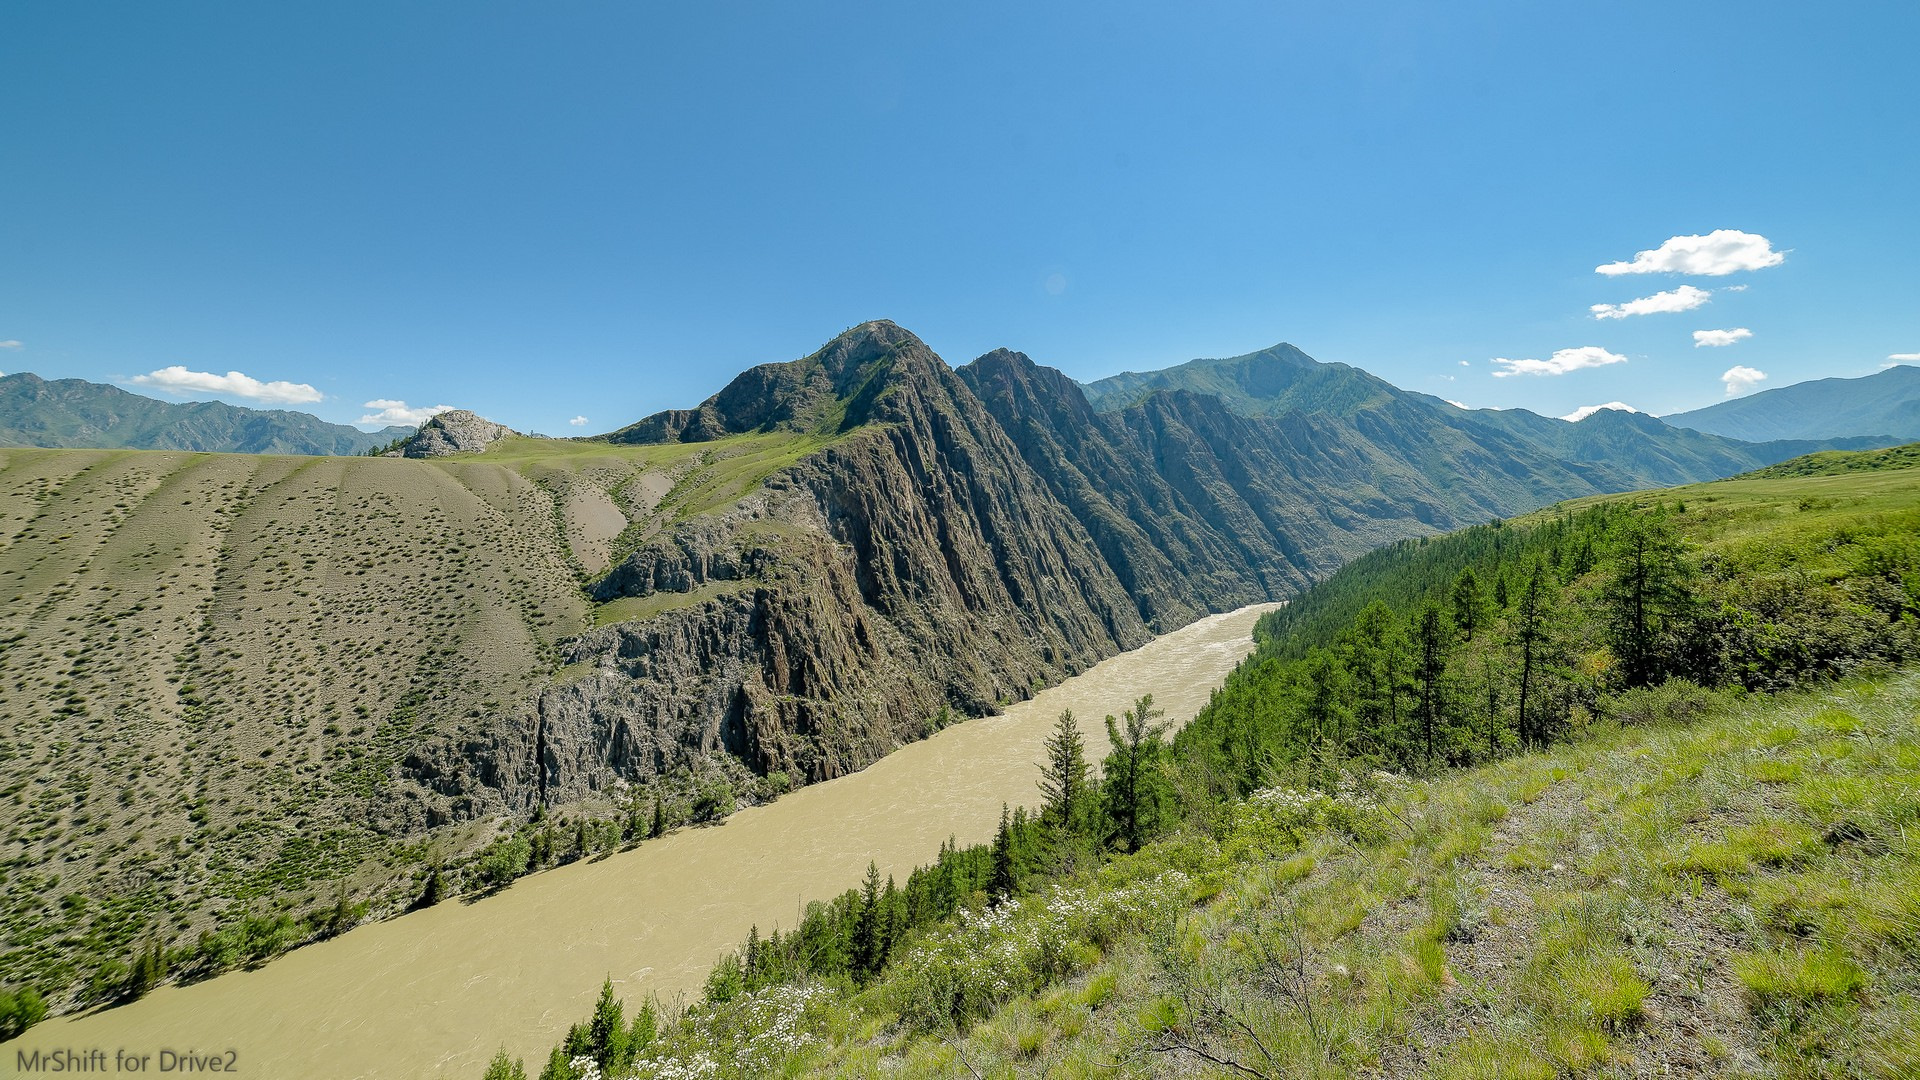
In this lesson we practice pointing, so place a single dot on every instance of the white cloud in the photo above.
(1720, 252)
(1457, 404)
(1740, 379)
(1684, 298)
(392, 413)
(1717, 338)
(1904, 357)
(1466, 363)
(12, 344)
(1585, 411)
(578, 421)
(178, 380)
(1559, 363)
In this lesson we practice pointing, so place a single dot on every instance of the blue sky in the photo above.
(598, 210)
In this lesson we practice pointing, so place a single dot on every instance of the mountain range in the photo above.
(350, 670)
(77, 413)
(1886, 403)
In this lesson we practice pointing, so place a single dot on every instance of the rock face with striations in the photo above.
(455, 432)
(913, 565)
(947, 541)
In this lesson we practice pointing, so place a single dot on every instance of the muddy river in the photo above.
(435, 993)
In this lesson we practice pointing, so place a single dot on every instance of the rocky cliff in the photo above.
(911, 567)
(948, 540)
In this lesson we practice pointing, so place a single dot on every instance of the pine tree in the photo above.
(1002, 884)
(505, 1068)
(1645, 593)
(607, 1031)
(646, 1027)
(635, 826)
(1373, 651)
(659, 816)
(1469, 606)
(867, 957)
(1132, 783)
(1063, 777)
(1430, 662)
(892, 920)
(1530, 632)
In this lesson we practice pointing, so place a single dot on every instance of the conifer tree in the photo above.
(1132, 783)
(1063, 778)
(892, 920)
(659, 816)
(1645, 593)
(646, 1027)
(1002, 884)
(867, 956)
(1430, 662)
(1469, 606)
(607, 1031)
(505, 1068)
(1530, 633)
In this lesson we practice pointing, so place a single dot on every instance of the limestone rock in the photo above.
(456, 432)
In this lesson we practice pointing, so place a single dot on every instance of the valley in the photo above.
(253, 701)
(436, 992)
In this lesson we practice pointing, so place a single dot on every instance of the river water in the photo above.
(436, 992)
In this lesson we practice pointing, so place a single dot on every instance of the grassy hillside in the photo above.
(211, 665)
(1630, 879)
(1735, 893)
(1835, 462)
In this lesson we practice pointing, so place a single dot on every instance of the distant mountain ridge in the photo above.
(75, 413)
(1885, 403)
(1508, 455)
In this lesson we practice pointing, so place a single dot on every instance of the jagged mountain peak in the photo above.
(828, 390)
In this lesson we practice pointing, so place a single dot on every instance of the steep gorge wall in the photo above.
(914, 565)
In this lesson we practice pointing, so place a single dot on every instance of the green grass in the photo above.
(632, 608)
(1836, 462)
(1661, 896)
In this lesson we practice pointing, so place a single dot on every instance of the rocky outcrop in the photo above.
(954, 540)
(913, 566)
(455, 432)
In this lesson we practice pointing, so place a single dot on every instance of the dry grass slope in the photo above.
(211, 663)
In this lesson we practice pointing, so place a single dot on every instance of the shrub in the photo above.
(505, 859)
(20, 1010)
